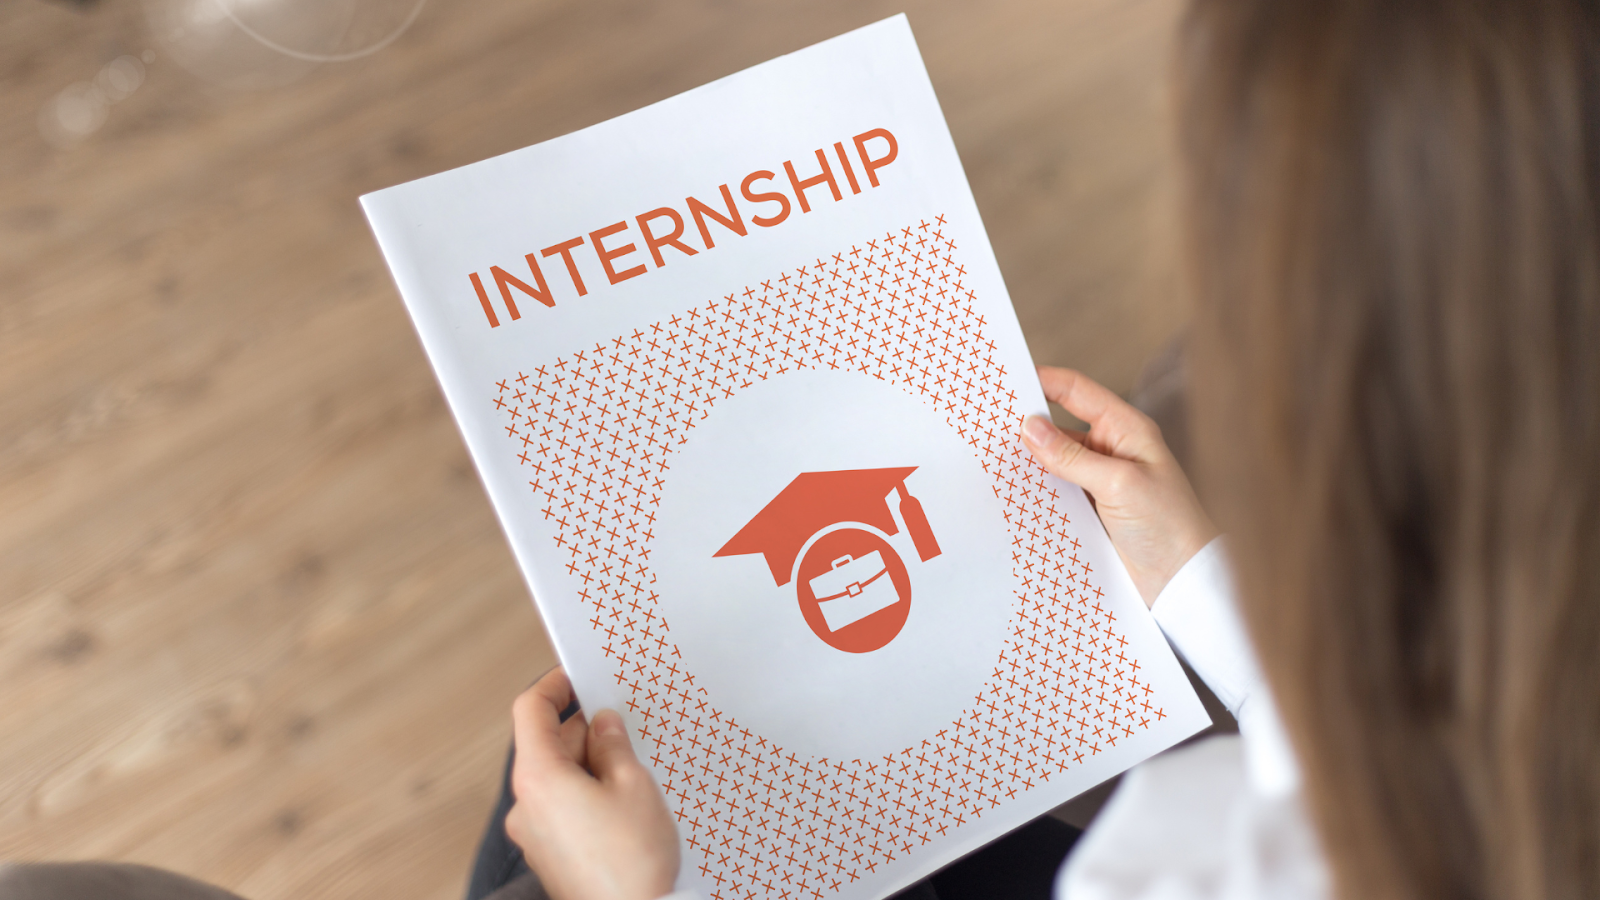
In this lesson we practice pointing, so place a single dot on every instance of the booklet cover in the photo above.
(744, 385)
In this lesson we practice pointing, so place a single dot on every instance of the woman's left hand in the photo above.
(589, 818)
(1143, 498)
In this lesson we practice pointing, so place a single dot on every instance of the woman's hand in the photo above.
(589, 818)
(1143, 497)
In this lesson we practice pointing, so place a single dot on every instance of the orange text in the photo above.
(669, 231)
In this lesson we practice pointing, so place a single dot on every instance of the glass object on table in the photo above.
(255, 44)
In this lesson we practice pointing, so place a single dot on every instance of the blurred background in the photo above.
(257, 621)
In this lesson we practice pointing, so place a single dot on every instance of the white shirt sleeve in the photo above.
(1220, 819)
(1186, 825)
(1199, 615)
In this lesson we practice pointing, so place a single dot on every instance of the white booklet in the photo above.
(744, 384)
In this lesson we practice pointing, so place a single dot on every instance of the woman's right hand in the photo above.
(1149, 509)
(589, 818)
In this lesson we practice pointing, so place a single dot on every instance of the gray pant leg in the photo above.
(101, 881)
(527, 887)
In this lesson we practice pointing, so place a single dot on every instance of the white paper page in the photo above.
(767, 487)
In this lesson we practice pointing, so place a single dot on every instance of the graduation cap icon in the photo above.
(826, 531)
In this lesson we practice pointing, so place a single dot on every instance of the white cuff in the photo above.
(1198, 613)
(685, 894)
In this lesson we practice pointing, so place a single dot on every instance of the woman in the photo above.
(1393, 248)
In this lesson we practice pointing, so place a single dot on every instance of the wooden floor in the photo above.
(257, 621)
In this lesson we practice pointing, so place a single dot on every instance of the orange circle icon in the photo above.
(854, 591)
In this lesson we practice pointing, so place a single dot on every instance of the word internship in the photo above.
(666, 227)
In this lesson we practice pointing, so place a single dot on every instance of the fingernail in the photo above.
(1038, 430)
(608, 723)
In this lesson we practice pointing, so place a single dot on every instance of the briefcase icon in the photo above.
(854, 588)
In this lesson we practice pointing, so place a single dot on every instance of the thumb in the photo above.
(1068, 458)
(610, 751)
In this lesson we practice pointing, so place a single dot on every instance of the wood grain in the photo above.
(257, 621)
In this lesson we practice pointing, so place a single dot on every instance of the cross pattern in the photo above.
(595, 432)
